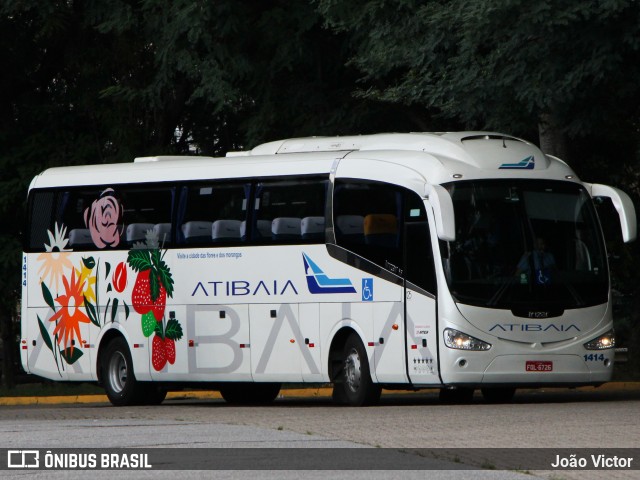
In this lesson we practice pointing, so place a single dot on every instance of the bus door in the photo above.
(420, 295)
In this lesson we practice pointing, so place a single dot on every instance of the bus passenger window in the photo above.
(145, 211)
(212, 214)
(367, 221)
(289, 211)
(41, 206)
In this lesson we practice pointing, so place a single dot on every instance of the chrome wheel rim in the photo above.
(118, 372)
(352, 370)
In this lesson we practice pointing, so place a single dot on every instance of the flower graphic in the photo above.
(55, 258)
(70, 316)
(119, 279)
(85, 277)
(104, 220)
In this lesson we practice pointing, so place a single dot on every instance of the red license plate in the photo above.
(538, 366)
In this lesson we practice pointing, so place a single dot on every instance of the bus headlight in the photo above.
(462, 341)
(603, 342)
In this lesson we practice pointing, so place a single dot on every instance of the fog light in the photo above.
(462, 341)
(603, 342)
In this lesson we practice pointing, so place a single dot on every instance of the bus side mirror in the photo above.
(623, 205)
(443, 210)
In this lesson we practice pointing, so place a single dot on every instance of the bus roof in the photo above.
(438, 157)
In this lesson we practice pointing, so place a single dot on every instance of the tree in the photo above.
(514, 65)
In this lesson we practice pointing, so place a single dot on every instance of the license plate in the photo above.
(538, 366)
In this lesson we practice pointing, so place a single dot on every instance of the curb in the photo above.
(321, 392)
(184, 395)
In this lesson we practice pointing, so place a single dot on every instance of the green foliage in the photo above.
(500, 65)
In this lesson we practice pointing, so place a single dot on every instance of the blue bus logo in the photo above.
(319, 282)
(525, 164)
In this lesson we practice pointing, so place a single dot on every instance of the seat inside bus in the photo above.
(197, 231)
(225, 230)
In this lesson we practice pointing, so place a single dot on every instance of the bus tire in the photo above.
(498, 395)
(354, 385)
(152, 394)
(456, 396)
(118, 378)
(250, 393)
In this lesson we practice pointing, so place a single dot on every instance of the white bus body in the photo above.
(457, 261)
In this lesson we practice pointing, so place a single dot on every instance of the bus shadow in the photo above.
(431, 397)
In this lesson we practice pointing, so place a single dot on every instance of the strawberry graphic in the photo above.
(163, 347)
(153, 283)
(149, 298)
(148, 324)
(158, 353)
(142, 299)
(170, 350)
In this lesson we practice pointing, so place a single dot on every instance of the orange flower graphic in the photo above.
(70, 314)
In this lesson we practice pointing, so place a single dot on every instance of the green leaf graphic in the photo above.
(47, 296)
(165, 278)
(126, 310)
(108, 269)
(91, 311)
(109, 288)
(89, 262)
(139, 260)
(173, 330)
(158, 330)
(114, 310)
(45, 334)
(71, 357)
(149, 324)
(154, 286)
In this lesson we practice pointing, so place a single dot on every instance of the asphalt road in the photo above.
(589, 418)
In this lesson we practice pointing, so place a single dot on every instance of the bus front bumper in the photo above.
(536, 369)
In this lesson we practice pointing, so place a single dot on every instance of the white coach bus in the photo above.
(455, 261)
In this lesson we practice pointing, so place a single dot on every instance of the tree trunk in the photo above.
(553, 141)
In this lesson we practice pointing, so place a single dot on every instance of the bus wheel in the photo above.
(250, 393)
(456, 396)
(354, 385)
(498, 395)
(117, 376)
(152, 395)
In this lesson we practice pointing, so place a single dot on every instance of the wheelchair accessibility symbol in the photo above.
(367, 289)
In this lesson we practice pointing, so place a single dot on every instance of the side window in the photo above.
(94, 217)
(418, 262)
(90, 218)
(41, 214)
(146, 211)
(367, 218)
(290, 211)
(213, 214)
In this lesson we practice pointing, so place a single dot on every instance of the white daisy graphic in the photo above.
(55, 258)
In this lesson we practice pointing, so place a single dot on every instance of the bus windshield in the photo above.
(525, 244)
